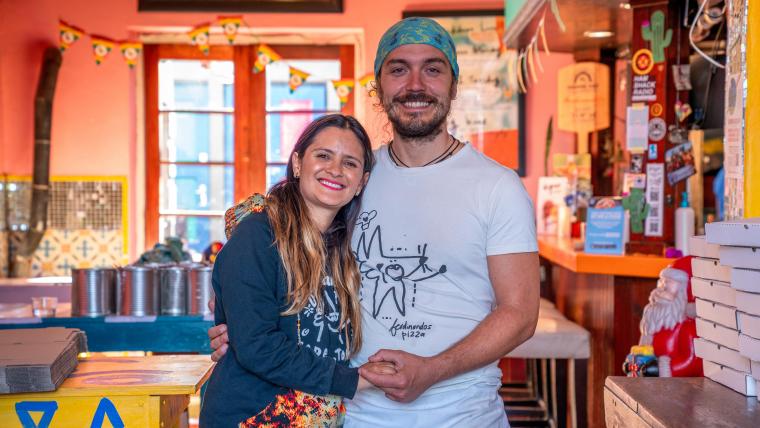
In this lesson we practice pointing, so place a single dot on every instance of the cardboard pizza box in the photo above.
(720, 354)
(742, 383)
(748, 324)
(745, 279)
(699, 247)
(710, 269)
(714, 291)
(755, 368)
(721, 314)
(741, 233)
(749, 347)
(749, 303)
(717, 333)
(740, 257)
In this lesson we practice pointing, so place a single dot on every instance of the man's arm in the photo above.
(515, 280)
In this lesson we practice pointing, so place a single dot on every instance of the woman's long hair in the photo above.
(307, 254)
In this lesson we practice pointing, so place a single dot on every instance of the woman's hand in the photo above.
(381, 368)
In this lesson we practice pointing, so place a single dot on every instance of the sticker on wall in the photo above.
(297, 78)
(658, 37)
(68, 35)
(637, 163)
(642, 61)
(644, 88)
(101, 47)
(230, 25)
(656, 109)
(652, 152)
(657, 129)
(368, 83)
(654, 197)
(200, 37)
(264, 56)
(131, 52)
(683, 110)
(682, 77)
(343, 89)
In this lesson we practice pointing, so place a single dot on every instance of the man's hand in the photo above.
(379, 368)
(414, 375)
(219, 341)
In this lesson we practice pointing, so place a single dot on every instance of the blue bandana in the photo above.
(417, 30)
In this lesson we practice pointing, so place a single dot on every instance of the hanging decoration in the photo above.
(101, 47)
(67, 35)
(130, 51)
(264, 56)
(230, 25)
(200, 37)
(522, 68)
(368, 83)
(343, 89)
(297, 78)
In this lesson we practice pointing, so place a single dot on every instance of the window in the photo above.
(216, 132)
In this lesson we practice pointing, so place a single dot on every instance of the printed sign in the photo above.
(551, 195)
(605, 220)
(637, 128)
(653, 225)
(644, 88)
(679, 163)
(657, 129)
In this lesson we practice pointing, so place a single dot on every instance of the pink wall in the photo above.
(94, 110)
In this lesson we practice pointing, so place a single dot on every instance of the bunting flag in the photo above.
(67, 35)
(264, 56)
(230, 25)
(200, 37)
(297, 78)
(343, 89)
(101, 47)
(368, 83)
(130, 51)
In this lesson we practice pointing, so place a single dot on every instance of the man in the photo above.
(447, 250)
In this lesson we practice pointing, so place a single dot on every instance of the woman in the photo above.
(287, 286)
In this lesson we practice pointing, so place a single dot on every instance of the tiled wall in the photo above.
(86, 226)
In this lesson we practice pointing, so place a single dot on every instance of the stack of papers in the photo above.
(39, 359)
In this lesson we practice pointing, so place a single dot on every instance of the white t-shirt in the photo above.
(421, 243)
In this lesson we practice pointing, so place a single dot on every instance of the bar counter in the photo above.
(605, 295)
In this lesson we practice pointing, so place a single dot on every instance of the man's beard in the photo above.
(417, 127)
(662, 313)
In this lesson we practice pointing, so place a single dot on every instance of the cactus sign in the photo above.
(659, 38)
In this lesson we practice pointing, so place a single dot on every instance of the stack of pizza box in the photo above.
(738, 264)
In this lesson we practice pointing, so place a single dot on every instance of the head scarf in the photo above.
(417, 30)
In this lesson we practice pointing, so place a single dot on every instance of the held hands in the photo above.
(379, 368)
(413, 374)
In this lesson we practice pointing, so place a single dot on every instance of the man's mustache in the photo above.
(414, 97)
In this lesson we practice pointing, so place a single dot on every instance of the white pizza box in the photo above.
(742, 383)
(710, 269)
(749, 347)
(717, 333)
(745, 279)
(749, 303)
(741, 233)
(699, 247)
(721, 314)
(714, 291)
(748, 324)
(740, 257)
(720, 354)
(755, 368)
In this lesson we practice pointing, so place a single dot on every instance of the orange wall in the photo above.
(94, 114)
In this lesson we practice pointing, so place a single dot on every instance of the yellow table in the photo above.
(113, 391)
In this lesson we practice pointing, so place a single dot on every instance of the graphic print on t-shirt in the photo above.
(390, 274)
(320, 325)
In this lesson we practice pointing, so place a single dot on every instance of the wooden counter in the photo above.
(606, 296)
(676, 402)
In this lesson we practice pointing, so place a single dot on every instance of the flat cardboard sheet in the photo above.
(721, 355)
(713, 291)
(718, 334)
(721, 314)
(740, 382)
(710, 269)
(740, 233)
(699, 247)
(740, 257)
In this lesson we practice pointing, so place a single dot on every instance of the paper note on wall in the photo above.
(637, 129)
(655, 185)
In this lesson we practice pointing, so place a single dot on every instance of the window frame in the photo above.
(250, 157)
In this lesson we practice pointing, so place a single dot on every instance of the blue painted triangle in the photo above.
(47, 408)
(106, 408)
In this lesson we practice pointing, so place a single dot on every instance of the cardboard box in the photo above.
(720, 354)
(721, 314)
(740, 382)
(745, 279)
(714, 291)
(748, 324)
(710, 269)
(740, 257)
(699, 247)
(749, 347)
(749, 303)
(755, 368)
(741, 233)
(716, 333)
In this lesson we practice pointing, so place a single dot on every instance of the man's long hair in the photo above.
(309, 255)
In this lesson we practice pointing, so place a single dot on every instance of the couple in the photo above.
(424, 287)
